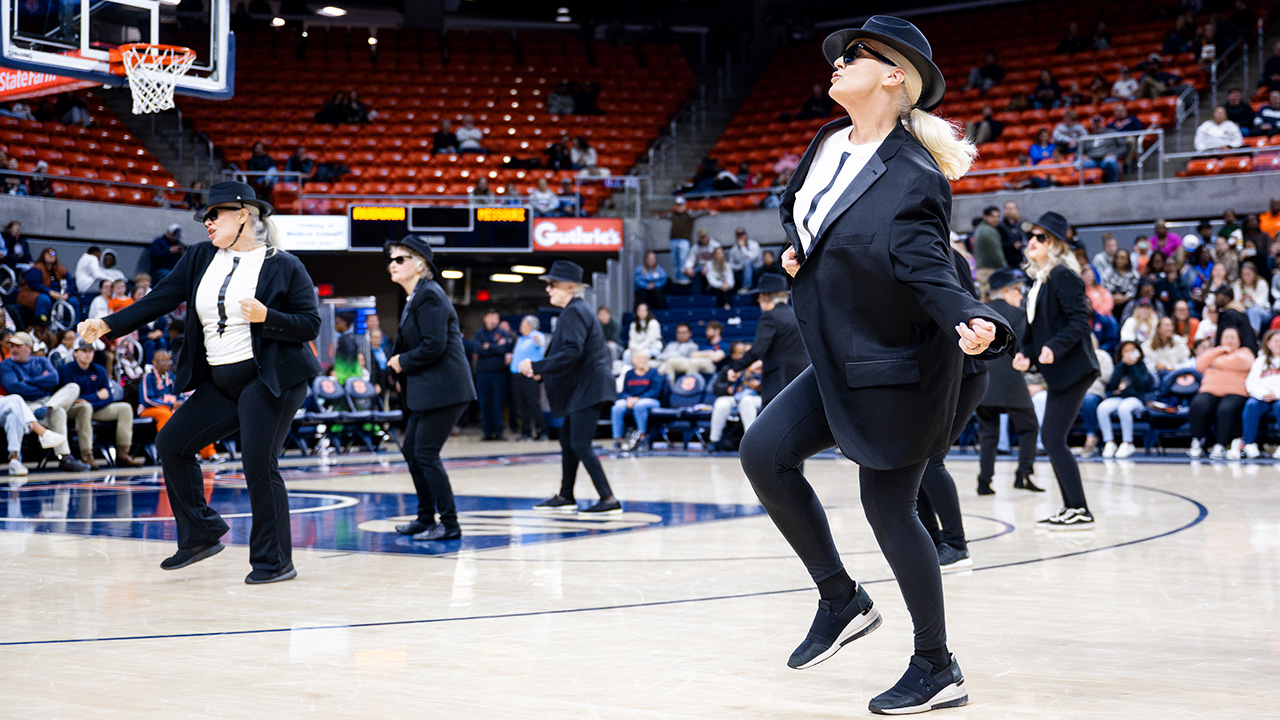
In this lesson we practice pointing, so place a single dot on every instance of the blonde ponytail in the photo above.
(944, 139)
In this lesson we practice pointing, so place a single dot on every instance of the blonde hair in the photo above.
(1059, 254)
(944, 139)
(264, 231)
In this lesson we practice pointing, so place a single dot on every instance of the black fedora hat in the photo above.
(770, 283)
(903, 37)
(564, 271)
(1054, 224)
(418, 245)
(229, 192)
(1005, 277)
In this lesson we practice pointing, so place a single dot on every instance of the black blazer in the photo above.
(878, 299)
(1063, 322)
(280, 343)
(434, 368)
(779, 345)
(1007, 388)
(576, 369)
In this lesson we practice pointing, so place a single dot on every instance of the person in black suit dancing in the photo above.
(575, 374)
(1007, 393)
(886, 324)
(777, 343)
(1059, 321)
(431, 369)
(252, 313)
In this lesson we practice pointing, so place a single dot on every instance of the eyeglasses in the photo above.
(851, 54)
(212, 213)
(1040, 237)
(398, 259)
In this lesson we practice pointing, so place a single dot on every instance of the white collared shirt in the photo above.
(836, 162)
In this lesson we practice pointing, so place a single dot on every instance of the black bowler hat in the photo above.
(225, 193)
(903, 37)
(1005, 277)
(564, 271)
(1055, 225)
(770, 283)
(418, 245)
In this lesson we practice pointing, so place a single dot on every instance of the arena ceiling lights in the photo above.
(506, 278)
(331, 11)
(529, 269)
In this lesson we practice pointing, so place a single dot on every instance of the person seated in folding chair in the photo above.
(158, 401)
(641, 390)
(736, 392)
(96, 403)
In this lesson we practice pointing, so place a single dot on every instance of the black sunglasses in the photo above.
(851, 54)
(1040, 237)
(212, 213)
(398, 259)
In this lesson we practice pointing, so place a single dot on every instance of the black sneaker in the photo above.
(1049, 520)
(263, 577)
(558, 504)
(438, 532)
(611, 507)
(413, 528)
(832, 631)
(70, 464)
(921, 691)
(187, 556)
(1071, 519)
(953, 558)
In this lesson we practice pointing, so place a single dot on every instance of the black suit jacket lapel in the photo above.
(787, 205)
(270, 266)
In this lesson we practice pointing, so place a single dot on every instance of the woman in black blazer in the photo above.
(1059, 320)
(252, 313)
(576, 374)
(886, 324)
(431, 369)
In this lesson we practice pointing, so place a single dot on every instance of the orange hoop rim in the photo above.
(180, 54)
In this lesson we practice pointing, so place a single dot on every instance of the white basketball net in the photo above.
(153, 70)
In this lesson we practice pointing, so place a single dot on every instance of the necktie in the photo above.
(222, 297)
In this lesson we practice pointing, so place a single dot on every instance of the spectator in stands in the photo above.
(261, 162)
(1218, 133)
(35, 380)
(1254, 293)
(358, 112)
(346, 354)
(1126, 394)
(95, 404)
(582, 155)
(1043, 148)
(1067, 134)
(677, 356)
(1105, 150)
(1141, 324)
(1223, 392)
(100, 306)
(120, 297)
(612, 332)
(650, 283)
(744, 259)
(1185, 325)
(985, 130)
(1047, 93)
(817, 105)
(300, 166)
(335, 110)
(1239, 111)
(734, 390)
(1164, 239)
(44, 284)
(1263, 386)
(1125, 87)
(1106, 335)
(40, 185)
(559, 156)
(444, 140)
(62, 353)
(1226, 259)
(570, 199)
(640, 393)
(1270, 76)
(156, 398)
(492, 346)
(560, 101)
(1099, 297)
(1165, 350)
(988, 76)
(1074, 41)
(719, 277)
(681, 234)
(1265, 122)
(699, 255)
(14, 184)
(469, 137)
(166, 251)
(1231, 314)
(526, 391)
(987, 251)
(1102, 261)
(109, 265)
(18, 420)
(1073, 96)
(71, 110)
(481, 191)
(644, 333)
(769, 264)
(1172, 286)
(1121, 280)
(1012, 237)
(1269, 222)
(89, 273)
(545, 203)
(1155, 81)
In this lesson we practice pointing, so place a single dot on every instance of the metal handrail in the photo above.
(99, 181)
(1213, 70)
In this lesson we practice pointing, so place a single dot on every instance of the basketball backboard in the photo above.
(73, 38)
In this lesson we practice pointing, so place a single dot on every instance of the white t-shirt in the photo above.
(469, 137)
(232, 276)
(835, 164)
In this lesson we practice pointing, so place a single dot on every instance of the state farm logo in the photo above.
(580, 234)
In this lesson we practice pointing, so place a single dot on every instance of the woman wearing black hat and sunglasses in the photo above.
(435, 382)
(1059, 323)
(576, 374)
(881, 311)
(246, 354)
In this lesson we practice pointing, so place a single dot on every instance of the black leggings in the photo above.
(1223, 413)
(576, 434)
(794, 427)
(425, 433)
(938, 503)
(237, 399)
(1061, 407)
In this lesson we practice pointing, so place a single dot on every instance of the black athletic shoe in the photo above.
(953, 558)
(262, 577)
(831, 631)
(558, 504)
(1023, 482)
(438, 532)
(984, 488)
(612, 507)
(187, 556)
(412, 528)
(920, 691)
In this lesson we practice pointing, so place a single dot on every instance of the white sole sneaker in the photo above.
(857, 628)
(951, 696)
(51, 439)
(962, 564)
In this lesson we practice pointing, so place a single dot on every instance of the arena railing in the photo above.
(1251, 150)
(100, 181)
(1228, 56)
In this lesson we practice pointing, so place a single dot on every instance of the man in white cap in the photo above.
(34, 379)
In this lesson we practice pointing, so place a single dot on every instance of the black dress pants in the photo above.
(938, 503)
(576, 434)
(1224, 414)
(425, 433)
(794, 427)
(528, 403)
(1061, 408)
(237, 399)
(1022, 421)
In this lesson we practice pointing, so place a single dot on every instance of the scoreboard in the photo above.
(475, 228)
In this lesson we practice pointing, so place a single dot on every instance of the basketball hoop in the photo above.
(153, 70)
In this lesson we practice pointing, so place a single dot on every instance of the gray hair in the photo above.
(264, 231)
(533, 321)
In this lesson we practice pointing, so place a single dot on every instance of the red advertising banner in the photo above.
(19, 84)
(577, 235)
